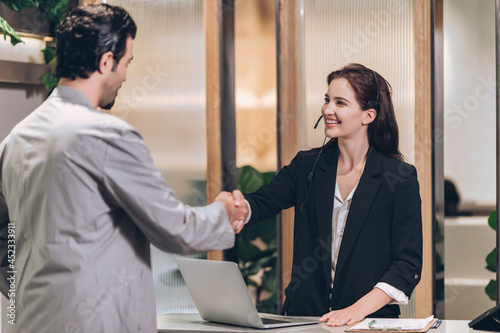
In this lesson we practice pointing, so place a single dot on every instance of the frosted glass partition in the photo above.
(375, 33)
(164, 97)
(469, 59)
(469, 104)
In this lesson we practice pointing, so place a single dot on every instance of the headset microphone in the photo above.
(318, 121)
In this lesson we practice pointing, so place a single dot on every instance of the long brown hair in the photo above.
(383, 133)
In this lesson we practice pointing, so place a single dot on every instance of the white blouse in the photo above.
(339, 217)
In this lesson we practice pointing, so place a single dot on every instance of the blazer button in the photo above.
(416, 277)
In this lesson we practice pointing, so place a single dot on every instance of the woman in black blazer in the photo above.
(358, 229)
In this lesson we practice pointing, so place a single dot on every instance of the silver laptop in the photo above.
(220, 294)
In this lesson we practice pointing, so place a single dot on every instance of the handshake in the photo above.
(236, 208)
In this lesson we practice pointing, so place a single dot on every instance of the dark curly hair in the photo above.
(383, 132)
(86, 34)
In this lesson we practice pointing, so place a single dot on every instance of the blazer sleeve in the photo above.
(279, 194)
(406, 235)
(139, 188)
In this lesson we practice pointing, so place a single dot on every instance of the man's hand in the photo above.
(236, 208)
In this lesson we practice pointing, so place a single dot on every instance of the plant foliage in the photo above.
(55, 11)
(258, 247)
(491, 260)
(5, 28)
(18, 5)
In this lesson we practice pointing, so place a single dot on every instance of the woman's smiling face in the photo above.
(342, 113)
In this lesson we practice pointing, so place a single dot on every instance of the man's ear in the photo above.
(106, 63)
(370, 116)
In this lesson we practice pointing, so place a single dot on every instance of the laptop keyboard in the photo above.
(267, 321)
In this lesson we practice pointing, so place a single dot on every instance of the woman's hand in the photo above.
(347, 316)
(366, 305)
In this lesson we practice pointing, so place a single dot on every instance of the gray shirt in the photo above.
(80, 203)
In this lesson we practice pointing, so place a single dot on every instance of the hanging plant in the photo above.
(5, 28)
(55, 11)
(50, 80)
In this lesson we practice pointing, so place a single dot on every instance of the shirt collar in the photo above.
(72, 95)
(349, 197)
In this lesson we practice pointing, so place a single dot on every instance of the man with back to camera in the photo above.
(81, 201)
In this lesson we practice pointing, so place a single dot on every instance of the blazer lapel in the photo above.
(324, 190)
(362, 200)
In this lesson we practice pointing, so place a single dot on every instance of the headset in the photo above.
(374, 103)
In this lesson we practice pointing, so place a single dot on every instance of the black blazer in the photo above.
(382, 239)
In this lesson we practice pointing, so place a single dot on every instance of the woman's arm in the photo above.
(371, 302)
(406, 235)
(279, 194)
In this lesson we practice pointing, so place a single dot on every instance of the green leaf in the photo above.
(251, 259)
(265, 230)
(56, 10)
(438, 235)
(50, 81)
(270, 280)
(269, 305)
(249, 179)
(49, 53)
(268, 259)
(18, 4)
(491, 261)
(492, 220)
(491, 290)
(8, 31)
(439, 263)
(252, 283)
(252, 270)
(268, 176)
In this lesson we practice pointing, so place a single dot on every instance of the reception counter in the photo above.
(191, 322)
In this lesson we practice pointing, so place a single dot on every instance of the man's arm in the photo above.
(138, 187)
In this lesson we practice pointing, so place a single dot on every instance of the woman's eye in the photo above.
(327, 101)
(340, 103)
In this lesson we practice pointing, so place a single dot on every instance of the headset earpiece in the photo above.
(374, 103)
